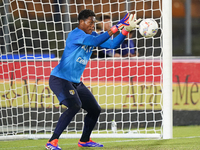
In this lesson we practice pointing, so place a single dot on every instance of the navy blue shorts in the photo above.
(69, 93)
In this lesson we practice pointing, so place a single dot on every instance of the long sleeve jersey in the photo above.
(78, 50)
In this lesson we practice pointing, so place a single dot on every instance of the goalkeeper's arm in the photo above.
(115, 43)
(98, 40)
(103, 39)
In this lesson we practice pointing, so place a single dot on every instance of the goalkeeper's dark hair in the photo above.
(84, 14)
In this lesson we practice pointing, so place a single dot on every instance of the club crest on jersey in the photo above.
(72, 92)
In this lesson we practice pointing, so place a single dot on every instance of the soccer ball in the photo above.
(148, 27)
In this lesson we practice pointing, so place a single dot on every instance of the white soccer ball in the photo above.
(148, 27)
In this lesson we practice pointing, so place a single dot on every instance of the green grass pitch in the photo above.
(184, 138)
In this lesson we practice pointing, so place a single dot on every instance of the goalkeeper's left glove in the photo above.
(123, 22)
(133, 23)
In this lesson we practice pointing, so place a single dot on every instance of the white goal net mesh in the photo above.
(32, 40)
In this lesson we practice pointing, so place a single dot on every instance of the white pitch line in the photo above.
(117, 141)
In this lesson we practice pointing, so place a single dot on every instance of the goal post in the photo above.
(135, 92)
(167, 70)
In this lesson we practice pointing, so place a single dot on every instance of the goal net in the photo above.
(128, 89)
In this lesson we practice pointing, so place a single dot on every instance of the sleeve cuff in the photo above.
(124, 32)
(114, 29)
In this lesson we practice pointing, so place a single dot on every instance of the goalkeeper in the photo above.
(65, 77)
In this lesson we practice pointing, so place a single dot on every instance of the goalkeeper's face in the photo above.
(88, 25)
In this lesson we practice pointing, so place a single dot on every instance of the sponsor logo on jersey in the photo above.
(82, 61)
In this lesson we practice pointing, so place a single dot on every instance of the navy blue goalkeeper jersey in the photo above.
(78, 50)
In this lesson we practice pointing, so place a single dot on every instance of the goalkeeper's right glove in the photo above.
(123, 22)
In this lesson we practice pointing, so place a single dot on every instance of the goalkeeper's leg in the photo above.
(71, 99)
(93, 109)
(63, 122)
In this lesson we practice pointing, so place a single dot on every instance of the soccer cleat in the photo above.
(90, 143)
(53, 145)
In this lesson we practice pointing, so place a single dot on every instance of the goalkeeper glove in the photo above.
(123, 22)
(133, 23)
